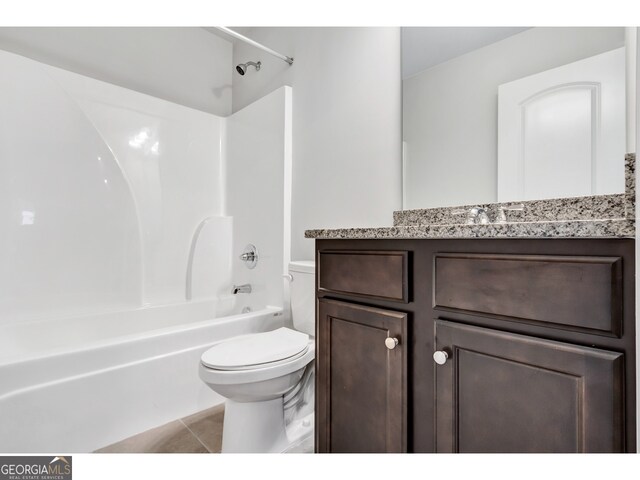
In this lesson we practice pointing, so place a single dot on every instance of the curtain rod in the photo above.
(234, 34)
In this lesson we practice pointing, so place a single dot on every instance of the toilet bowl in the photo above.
(256, 372)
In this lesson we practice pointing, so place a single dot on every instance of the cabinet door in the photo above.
(503, 392)
(361, 379)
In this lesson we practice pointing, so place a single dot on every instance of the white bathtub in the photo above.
(78, 384)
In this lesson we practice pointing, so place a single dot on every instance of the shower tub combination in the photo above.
(78, 384)
(122, 224)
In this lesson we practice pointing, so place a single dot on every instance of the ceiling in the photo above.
(424, 47)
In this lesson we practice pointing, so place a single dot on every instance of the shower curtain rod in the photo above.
(228, 31)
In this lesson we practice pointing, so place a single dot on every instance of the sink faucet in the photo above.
(478, 215)
(475, 215)
(246, 288)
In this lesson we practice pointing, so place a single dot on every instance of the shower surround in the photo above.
(122, 217)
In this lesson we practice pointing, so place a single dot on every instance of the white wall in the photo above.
(188, 66)
(258, 160)
(450, 111)
(346, 121)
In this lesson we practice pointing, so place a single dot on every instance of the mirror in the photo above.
(497, 114)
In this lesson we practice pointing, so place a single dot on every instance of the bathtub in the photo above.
(73, 385)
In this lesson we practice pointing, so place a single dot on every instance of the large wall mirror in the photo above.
(497, 114)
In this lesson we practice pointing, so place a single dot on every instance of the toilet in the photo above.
(262, 374)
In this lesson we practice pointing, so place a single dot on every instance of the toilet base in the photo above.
(254, 427)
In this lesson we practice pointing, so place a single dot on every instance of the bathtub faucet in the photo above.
(246, 288)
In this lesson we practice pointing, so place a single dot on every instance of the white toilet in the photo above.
(258, 373)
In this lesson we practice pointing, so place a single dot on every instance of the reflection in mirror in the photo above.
(495, 114)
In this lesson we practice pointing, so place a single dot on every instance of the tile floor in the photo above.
(198, 433)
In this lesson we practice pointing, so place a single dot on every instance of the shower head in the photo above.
(242, 67)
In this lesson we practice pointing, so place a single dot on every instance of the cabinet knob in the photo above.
(440, 357)
(391, 342)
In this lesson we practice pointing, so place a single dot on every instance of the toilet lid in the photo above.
(257, 349)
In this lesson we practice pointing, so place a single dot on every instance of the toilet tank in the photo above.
(303, 296)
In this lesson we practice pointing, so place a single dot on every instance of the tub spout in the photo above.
(246, 288)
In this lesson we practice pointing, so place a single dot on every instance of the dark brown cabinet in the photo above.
(500, 392)
(539, 336)
(362, 367)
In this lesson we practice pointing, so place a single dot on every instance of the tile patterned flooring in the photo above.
(197, 433)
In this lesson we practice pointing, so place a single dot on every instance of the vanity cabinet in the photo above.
(534, 343)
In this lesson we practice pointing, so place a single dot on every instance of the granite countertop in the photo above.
(597, 216)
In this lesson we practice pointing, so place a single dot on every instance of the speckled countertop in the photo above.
(598, 216)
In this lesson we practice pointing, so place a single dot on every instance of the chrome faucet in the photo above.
(246, 288)
(475, 215)
(478, 215)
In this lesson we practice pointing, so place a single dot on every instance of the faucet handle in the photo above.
(469, 213)
(502, 216)
(249, 256)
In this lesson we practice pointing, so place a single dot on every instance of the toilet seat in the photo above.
(257, 351)
(259, 373)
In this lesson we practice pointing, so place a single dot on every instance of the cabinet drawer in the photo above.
(572, 292)
(375, 274)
